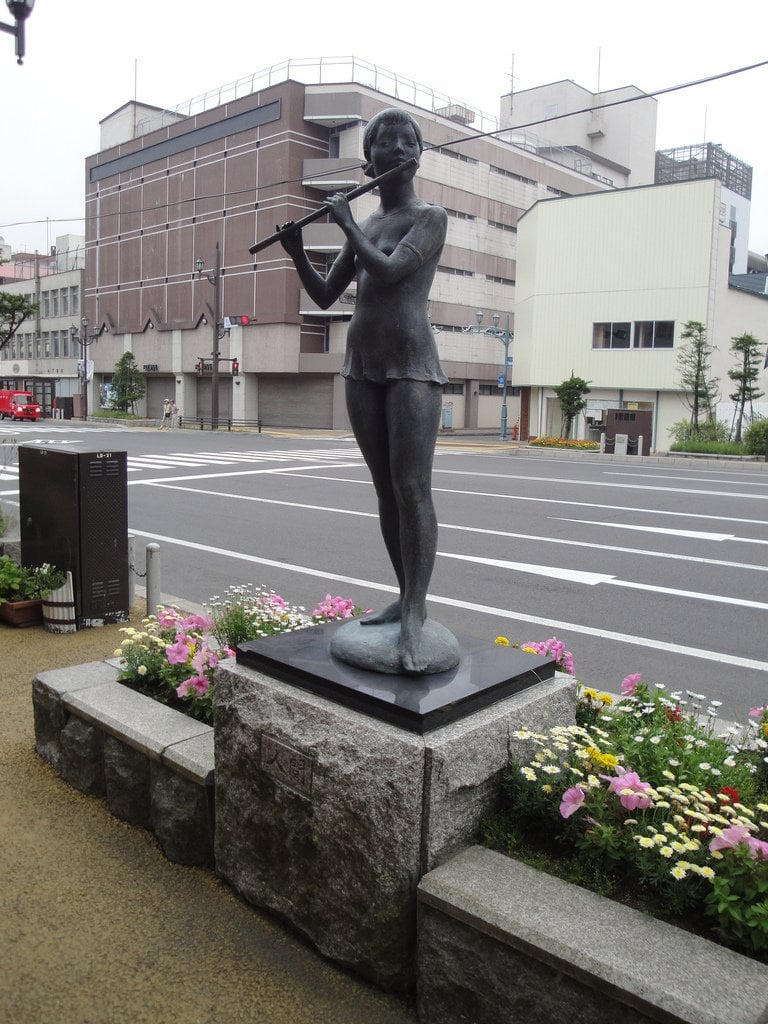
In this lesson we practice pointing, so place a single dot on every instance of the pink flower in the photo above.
(196, 622)
(572, 800)
(756, 712)
(178, 653)
(733, 836)
(167, 618)
(629, 684)
(729, 837)
(757, 846)
(197, 683)
(629, 788)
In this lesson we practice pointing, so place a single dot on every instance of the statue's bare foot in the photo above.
(391, 613)
(413, 653)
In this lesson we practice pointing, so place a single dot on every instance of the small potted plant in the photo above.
(22, 588)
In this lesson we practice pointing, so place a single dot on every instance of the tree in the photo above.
(694, 360)
(127, 384)
(14, 310)
(570, 394)
(744, 375)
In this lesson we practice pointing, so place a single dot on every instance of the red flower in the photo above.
(673, 714)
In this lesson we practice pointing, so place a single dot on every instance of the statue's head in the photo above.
(392, 115)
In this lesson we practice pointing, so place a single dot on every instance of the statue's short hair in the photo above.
(392, 115)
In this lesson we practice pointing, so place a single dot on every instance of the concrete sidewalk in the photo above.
(99, 928)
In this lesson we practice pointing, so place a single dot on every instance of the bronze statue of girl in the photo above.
(393, 375)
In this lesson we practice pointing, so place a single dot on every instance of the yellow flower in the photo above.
(606, 698)
(706, 872)
(644, 841)
(666, 851)
(589, 693)
(142, 670)
(118, 653)
(528, 650)
(678, 872)
(501, 641)
(604, 760)
(546, 788)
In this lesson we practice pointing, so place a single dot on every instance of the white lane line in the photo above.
(601, 483)
(591, 579)
(288, 470)
(560, 501)
(479, 530)
(696, 479)
(503, 613)
(693, 534)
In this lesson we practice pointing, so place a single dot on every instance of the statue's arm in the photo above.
(323, 291)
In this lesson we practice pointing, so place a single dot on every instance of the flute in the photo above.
(316, 214)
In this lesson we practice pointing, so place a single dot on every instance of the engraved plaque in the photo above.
(287, 765)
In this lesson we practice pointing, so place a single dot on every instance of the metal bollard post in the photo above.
(153, 578)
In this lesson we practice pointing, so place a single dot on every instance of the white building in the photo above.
(605, 285)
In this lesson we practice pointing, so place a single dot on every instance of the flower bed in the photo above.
(563, 442)
(173, 658)
(643, 801)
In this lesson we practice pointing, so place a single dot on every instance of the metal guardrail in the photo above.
(201, 422)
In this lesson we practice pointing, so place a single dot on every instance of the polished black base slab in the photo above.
(486, 673)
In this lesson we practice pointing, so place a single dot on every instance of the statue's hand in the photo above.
(291, 239)
(340, 211)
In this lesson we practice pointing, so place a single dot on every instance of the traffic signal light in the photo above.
(236, 321)
(235, 368)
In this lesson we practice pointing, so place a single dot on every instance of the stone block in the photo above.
(329, 817)
(499, 940)
(82, 760)
(126, 777)
(182, 817)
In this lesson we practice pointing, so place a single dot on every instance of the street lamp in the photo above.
(21, 10)
(214, 279)
(82, 339)
(505, 336)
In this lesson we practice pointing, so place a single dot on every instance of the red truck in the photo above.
(18, 405)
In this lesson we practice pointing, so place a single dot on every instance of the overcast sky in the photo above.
(84, 59)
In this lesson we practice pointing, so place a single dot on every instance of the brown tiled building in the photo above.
(167, 188)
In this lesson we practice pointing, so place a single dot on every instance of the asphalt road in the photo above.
(638, 567)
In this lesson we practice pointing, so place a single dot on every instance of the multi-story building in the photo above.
(169, 187)
(45, 355)
(606, 285)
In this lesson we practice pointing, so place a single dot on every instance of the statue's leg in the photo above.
(366, 405)
(413, 419)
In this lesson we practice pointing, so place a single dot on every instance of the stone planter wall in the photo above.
(500, 941)
(152, 765)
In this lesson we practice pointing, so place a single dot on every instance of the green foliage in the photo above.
(14, 310)
(756, 437)
(694, 363)
(27, 583)
(711, 438)
(739, 899)
(744, 375)
(571, 394)
(128, 384)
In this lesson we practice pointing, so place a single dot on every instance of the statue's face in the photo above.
(393, 144)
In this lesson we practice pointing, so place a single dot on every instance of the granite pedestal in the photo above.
(328, 812)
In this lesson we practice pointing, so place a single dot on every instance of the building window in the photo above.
(453, 389)
(499, 280)
(454, 155)
(74, 300)
(611, 335)
(55, 302)
(456, 271)
(55, 342)
(460, 214)
(654, 334)
(641, 334)
(511, 174)
(496, 390)
(557, 191)
(65, 301)
(502, 227)
(45, 304)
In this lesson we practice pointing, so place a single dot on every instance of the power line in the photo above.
(443, 145)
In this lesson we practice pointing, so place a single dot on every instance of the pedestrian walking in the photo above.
(165, 423)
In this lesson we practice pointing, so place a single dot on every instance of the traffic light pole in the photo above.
(215, 349)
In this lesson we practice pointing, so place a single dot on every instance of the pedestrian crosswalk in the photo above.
(193, 460)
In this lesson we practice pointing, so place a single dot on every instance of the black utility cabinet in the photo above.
(73, 512)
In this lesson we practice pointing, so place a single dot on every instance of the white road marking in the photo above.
(694, 534)
(504, 613)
